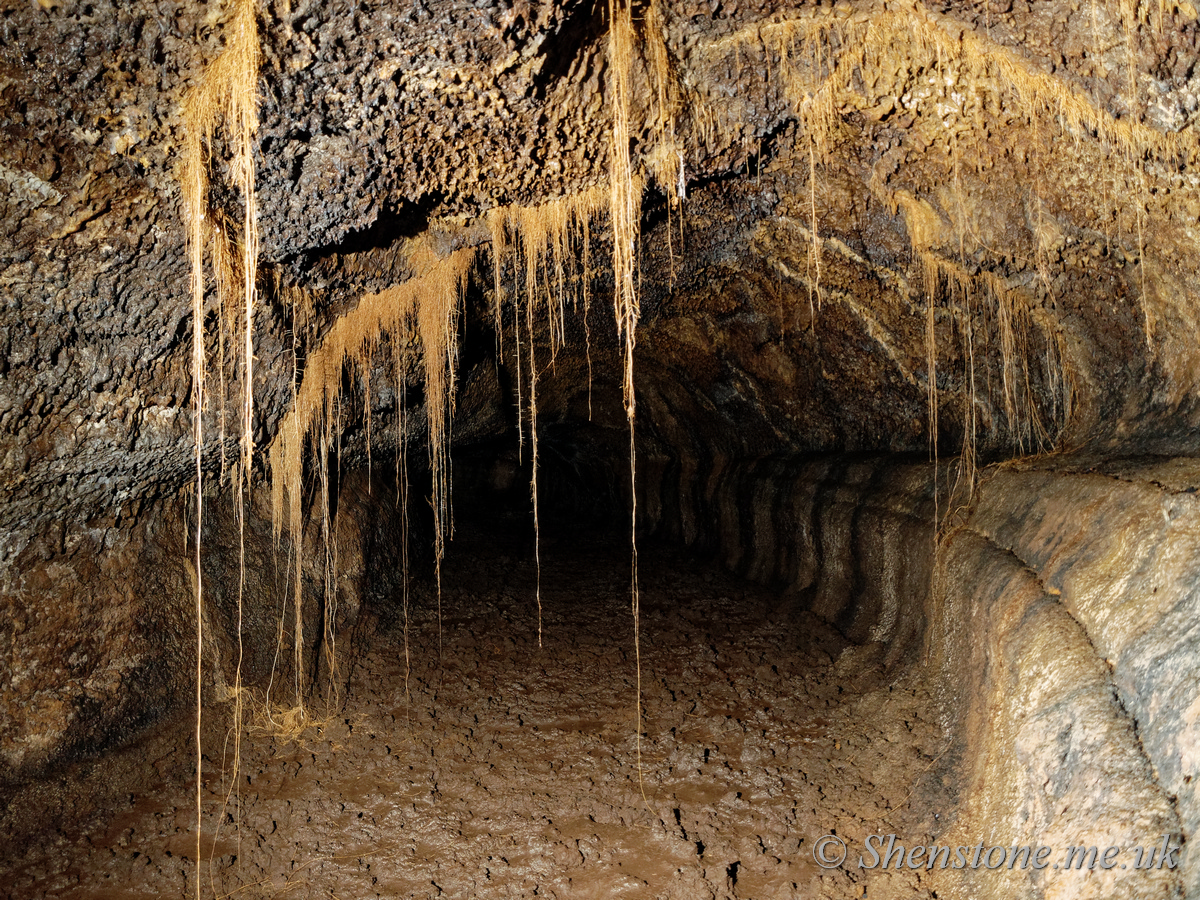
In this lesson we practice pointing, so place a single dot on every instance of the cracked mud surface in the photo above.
(511, 771)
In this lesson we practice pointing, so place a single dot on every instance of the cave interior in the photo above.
(625, 449)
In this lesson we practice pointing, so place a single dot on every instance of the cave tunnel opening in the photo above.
(489, 724)
(807, 672)
(908, 296)
(833, 634)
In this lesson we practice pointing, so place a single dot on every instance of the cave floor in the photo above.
(510, 770)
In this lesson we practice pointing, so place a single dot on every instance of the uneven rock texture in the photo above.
(379, 118)
(1057, 622)
(868, 228)
(116, 666)
(1129, 590)
(127, 660)
(1055, 759)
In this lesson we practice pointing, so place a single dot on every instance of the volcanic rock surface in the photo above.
(916, 364)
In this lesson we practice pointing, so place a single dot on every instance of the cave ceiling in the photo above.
(830, 190)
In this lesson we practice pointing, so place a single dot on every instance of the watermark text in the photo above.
(886, 851)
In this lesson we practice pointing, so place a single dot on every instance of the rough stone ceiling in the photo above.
(1037, 159)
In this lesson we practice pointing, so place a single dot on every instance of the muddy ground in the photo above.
(511, 770)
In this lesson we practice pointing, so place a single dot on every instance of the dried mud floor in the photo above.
(511, 770)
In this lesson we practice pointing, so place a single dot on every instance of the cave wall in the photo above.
(94, 639)
(101, 636)
(1116, 546)
(1058, 619)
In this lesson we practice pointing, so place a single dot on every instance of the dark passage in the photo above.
(495, 768)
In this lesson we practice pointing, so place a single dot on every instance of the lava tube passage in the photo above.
(626, 449)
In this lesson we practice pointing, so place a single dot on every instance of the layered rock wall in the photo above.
(1058, 621)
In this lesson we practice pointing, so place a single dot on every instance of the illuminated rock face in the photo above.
(1006, 193)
